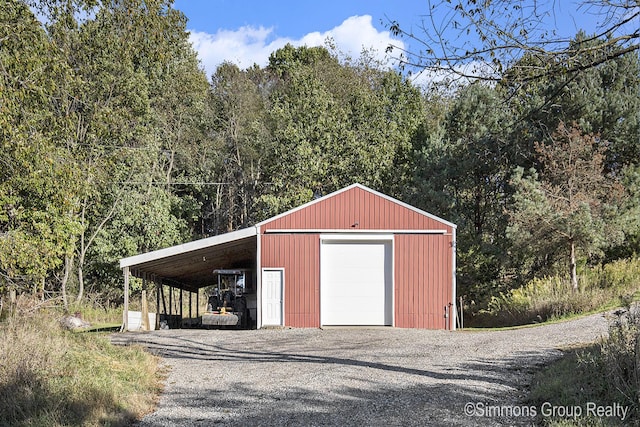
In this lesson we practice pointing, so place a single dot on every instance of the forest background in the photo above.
(115, 142)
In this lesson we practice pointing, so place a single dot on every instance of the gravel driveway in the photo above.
(352, 376)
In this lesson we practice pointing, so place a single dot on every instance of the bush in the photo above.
(52, 377)
(549, 298)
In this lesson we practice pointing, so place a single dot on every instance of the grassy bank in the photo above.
(604, 375)
(53, 377)
(601, 288)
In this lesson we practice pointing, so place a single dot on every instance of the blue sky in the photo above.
(287, 18)
(247, 31)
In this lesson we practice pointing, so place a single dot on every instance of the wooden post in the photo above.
(190, 298)
(145, 312)
(125, 313)
(180, 327)
(157, 303)
(164, 300)
(13, 300)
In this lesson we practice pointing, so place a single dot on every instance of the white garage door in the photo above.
(355, 283)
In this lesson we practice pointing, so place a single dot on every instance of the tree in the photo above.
(602, 100)
(38, 187)
(462, 168)
(334, 123)
(569, 206)
(475, 39)
(105, 111)
(143, 99)
(240, 133)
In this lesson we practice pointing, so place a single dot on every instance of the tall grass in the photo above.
(93, 310)
(53, 377)
(549, 298)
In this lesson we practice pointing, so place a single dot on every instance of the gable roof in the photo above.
(365, 189)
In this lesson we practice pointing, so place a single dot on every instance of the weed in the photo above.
(52, 377)
(540, 300)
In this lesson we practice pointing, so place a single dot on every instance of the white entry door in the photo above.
(356, 283)
(272, 292)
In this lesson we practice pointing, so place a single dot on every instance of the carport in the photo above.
(189, 267)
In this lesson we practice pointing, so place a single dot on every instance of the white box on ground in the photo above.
(135, 321)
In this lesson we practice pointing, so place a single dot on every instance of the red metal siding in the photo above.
(355, 205)
(423, 280)
(299, 255)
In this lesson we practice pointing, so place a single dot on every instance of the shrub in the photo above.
(551, 297)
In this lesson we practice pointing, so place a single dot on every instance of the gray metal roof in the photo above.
(190, 266)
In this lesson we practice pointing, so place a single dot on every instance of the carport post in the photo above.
(125, 313)
(157, 302)
(164, 300)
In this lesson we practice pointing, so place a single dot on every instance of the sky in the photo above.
(246, 32)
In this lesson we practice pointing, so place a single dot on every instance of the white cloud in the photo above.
(250, 45)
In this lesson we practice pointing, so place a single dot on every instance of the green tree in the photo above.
(145, 101)
(601, 100)
(38, 187)
(335, 123)
(570, 207)
(240, 134)
(462, 168)
(114, 92)
(106, 100)
(103, 109)
(147, 219)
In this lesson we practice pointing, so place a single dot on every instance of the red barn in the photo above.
(353, 257)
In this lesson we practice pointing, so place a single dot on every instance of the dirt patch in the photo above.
(351, 376)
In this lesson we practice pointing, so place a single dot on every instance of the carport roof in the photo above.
(190, 266)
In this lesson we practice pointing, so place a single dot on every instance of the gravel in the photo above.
(351, 376)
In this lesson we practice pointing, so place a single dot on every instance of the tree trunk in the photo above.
(43, 283)
(574, 273)
(231, 211)
(171, 158)
(81, 253)
(68, 265)
(84, 246)
(80, 280)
